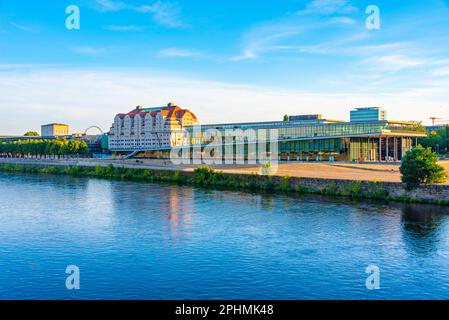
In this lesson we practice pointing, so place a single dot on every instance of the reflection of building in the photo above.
(150, 128)
(54, 130)
(367, 137)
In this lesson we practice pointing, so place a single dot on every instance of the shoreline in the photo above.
(436, 194)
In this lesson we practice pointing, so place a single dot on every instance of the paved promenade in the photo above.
(344, 171)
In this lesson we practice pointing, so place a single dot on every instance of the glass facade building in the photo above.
(320, 139)
(368, 114)
(300, 138)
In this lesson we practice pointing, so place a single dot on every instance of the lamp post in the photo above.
(447, 137)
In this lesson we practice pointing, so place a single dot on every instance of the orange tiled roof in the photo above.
(171, 111)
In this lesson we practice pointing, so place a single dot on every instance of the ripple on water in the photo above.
(149, 241)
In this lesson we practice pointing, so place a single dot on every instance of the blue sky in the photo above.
(225, 60)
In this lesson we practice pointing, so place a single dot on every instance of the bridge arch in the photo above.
(93, 127)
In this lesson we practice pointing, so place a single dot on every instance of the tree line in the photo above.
(41, 147)
(437, 140)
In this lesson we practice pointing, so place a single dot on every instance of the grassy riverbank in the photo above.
(207, 177)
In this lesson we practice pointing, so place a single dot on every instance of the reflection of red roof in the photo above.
(170, 111)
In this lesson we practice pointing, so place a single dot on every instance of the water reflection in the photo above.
(157, 241)
(422, 225)
(179, 209)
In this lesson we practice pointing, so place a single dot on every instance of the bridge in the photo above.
(93, 127)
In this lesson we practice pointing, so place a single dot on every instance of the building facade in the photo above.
(330, 140)
(150, 128)
(54, 130)
(303, 138)
(368, 114)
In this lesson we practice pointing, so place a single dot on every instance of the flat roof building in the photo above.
(54, 130)
(368, 114)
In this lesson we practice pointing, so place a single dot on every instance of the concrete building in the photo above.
(54, 130)
(150, 128)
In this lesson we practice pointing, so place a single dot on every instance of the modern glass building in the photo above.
(326, 140)
(367, 137)
(368, 114)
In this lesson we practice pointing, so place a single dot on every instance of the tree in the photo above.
(437, 140)
(40, 147)
(31, 134)
(420, 166)
(285, 117)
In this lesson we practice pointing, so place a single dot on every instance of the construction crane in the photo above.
(434, 119)
(439, 120)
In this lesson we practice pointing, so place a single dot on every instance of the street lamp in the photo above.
(447, 137)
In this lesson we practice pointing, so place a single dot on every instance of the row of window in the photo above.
(291, 131)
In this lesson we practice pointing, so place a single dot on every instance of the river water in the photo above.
(151, 241)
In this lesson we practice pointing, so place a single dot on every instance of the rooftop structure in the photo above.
(368, 114)
(54, 130)
(305, 117)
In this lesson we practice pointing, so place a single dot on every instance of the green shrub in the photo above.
(377, 191)
(356, 189)
(202, 175)
(176, 177)
(331, 189)
(268, 184)
(419, 166)
(285, 184)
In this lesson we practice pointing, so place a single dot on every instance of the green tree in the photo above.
(31, 134)
(39, 147)
(420, 166)
(437, 140)
(285, 117)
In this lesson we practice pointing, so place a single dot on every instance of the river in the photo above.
(135, 240)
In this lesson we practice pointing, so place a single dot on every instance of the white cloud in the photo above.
(178, 53)
(295, 32)
(87, 50)
(23, 27)
(328, 7)
(92, 97)
(123, 28)
(110, 5)
(248, 54)
(393, 63)
(164, 13)
(167, 14)
(441, 72)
